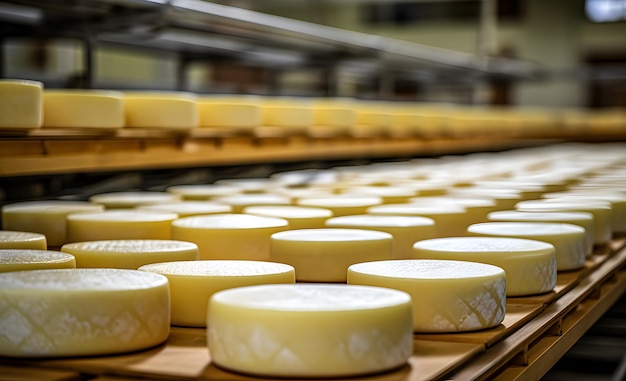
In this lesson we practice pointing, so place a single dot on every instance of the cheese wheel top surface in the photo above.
(309, 297)
(540, 216)
(188, 208)
(51, 207)
(218, 268)
(404, 209)
(230, 221)
(123, 216)
(427, 269)
(537, 229)
(341, 201)
(129, 199)
(81, 280)
(131, 246)
(16, 260)
(478, 245)
(203, 190)
(9, 236)
(380, 220)
(557, 204)
(288, 211)
(330, 235)
(249, 199)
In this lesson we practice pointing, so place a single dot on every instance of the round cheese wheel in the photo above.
(45, 217)
(406, 230)
(299, 217)
(582, 219)
(616, 199)
(247, 185)
(324, 255)
(83, 108)
(450, 220)
(600, 210)
(171, 110)
(240, 201)
(202, 191)
(503, 198)
(229, 236)
(192, 283)
(342, 206)
(332, 120)
(447, 296)
(82, 312)
(126, 200)
(17, 260)
(188, 208)
(119, 224)
(21, 104)
(530, 265)
(22, 240)
(388, 194)
(235, 115)
(289, 115)
(567, 239)
(306, 330)
(476, 209)
(129, 254)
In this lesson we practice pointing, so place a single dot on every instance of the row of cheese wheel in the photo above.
(27, 105)
(267, 348)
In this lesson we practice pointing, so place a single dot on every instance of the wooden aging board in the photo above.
(185, 355)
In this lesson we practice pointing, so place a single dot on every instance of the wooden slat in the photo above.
(25, 373)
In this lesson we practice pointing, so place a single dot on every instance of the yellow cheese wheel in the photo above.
(129, 254)
(447, 296)
(406, 230)
(229, 236)
(192, 283)
(567, 239)
(342, 206)
(332, 120)
(288, 115)
(82, 312)
(299, 217)
(202, 191)
(22, 240)
(239, 202)
(83, 108)
(124, 200)
(21, 104)
(234, 115)
(247, 185)
(476, 209)
(601, 211)
(17, 260)
(582, 219)
(450, 220)
(389, 194)
(119, 224)
(530, 265)
(324, 255)
(187, 208)
(45, 217)
(171, 110)
(306, 330)
(616, 199)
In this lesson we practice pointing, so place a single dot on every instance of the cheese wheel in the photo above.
(299, 217)
(126, 200)
(83, 108)
(17, 260)
(45, 217)
(582, 219)
(388, 194)
(238, 116)
(406, 230)
(192, 283)
(239, 202)
(503, 198)
(342, 206)
(81, 312)
(530, 265)
(249, 185)
(616, 199)
(476, 209)
(447, 296)
(21, 104)
(187, 208)
(450, 220)
(129, 254)
(202, 191)
(567, 239)
(171, 110)
(600, 210)
(289, 115)
(229, 236)
(22, 240)
(332, 120)
(307, 330)
(119, 224)
(371, 122)
(324, 255)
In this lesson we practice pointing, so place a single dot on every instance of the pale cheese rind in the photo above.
(530, 265)
(126, 200)
(306, 330)
(450, 219)
(447, 296)
(83, 108)
(21, 104)
(324, 255)
(119, 224)
(82, 312)
(192, 283)
(299, 217)
(129, 254)
(171, 110)
(19, 260)
(188, 208)
(22, 240)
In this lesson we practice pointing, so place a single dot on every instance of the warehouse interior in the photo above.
(479, 76)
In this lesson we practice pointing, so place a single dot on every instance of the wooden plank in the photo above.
(26, 373)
